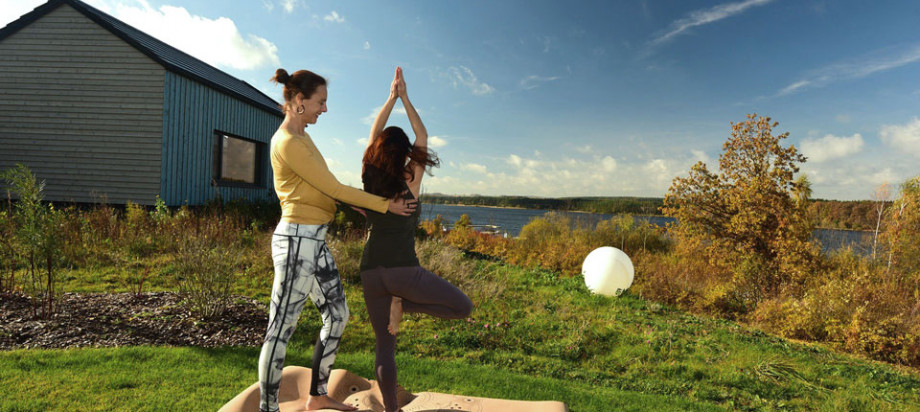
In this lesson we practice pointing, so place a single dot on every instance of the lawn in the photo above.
(533, 335)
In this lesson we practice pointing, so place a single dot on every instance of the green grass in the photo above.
(204, 379)
(547, 338)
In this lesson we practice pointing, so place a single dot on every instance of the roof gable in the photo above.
(168, 56)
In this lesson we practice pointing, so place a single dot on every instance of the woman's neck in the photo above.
(293, 125)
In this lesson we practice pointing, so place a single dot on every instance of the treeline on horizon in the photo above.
(829, 214)
(611, 205)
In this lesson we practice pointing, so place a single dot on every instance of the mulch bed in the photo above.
(126, 319)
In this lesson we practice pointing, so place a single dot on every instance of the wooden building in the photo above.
(104, 112)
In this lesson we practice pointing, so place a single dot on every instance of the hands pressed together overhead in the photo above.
(398, 86)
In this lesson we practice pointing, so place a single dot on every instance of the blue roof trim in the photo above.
(168, 56)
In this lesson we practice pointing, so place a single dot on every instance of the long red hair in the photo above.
(395, 157)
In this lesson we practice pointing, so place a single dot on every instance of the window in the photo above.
(237, 161)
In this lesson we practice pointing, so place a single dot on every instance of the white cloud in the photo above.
(702, 17)
(363, 141)
(290, 5)
(435, 142)
(831, 147)
(533, 81)
(334, 17)
(586, 149)
(699, 155)
(885, 175)
(463, 76)
(858, 67)
(853, 180)
(569, 176)
(904, 137)
(474, 167)
(369, 119)
(11, 10)
(268, 5)
(794, 87)
(215, 41)
(608, 164)
(367, 45)
(843, 118)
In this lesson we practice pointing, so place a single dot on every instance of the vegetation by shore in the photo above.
(828, 214)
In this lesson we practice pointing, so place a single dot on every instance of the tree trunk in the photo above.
(50, 288)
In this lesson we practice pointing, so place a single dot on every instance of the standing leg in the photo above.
(287, 301)
(377, 300)
(329, 298)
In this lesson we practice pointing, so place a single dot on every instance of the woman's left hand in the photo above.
(401, 83)
(359, 210)
(394, 86)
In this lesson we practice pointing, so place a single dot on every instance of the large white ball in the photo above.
(607, 271)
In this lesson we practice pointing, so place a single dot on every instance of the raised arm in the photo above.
(418, 128)
(381, 120)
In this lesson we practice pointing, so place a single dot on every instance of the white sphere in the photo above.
(607, 271)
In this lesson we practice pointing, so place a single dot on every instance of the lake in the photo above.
(512, 220)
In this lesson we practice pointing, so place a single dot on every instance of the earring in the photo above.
(300, 109)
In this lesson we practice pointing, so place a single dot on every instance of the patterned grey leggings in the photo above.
(303, 269)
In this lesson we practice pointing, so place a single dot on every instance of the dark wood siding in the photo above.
(82, 109)
(192, 114)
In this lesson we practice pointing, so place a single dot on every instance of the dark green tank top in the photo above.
(392, 239)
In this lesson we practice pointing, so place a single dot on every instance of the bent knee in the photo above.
(465, 308)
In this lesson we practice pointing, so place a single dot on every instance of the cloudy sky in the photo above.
(599, 98)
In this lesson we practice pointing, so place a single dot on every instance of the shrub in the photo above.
(207, 271)
(37, 227)
(347, 253)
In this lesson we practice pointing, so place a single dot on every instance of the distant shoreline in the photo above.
(601, 213)
(547, 210)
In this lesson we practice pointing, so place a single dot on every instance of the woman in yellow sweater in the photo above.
(304, 268)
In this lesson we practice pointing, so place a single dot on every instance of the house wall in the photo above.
(82, 109)
(192, 113)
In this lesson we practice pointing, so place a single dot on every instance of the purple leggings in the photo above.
(421, 292)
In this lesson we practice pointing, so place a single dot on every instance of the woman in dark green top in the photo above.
(391, 276)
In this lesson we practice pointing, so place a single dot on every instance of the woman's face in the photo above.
(315, 105)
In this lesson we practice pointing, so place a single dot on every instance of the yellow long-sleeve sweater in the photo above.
(306, 188)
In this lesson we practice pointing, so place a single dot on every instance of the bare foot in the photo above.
(325, 402)
(395, 315)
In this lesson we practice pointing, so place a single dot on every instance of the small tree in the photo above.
(37, 227)
(8, 250)
(881, 199)
(751, 216)
(463, 222)
(902, 234)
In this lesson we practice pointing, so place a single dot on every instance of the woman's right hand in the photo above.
(402, 207)
(401, 83)
(394, 86)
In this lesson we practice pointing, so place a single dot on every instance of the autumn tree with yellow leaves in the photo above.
(751, 216)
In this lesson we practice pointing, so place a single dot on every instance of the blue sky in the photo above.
(552, 98)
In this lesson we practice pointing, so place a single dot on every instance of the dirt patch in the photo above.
(126, 319)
